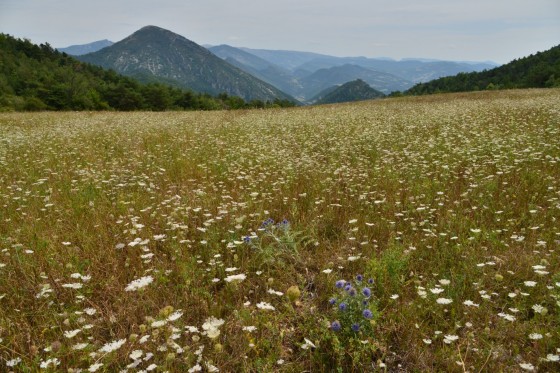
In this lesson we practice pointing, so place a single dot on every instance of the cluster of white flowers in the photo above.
(139, 283)
(211, 327)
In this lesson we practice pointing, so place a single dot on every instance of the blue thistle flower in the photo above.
(367, 314)
(340, 284)
(366, 292)
(335, 326)
(356, 327)
(342, 306)
(359, 277)
(332, 301)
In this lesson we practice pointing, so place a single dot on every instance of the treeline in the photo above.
(540, 70)
(38, 77)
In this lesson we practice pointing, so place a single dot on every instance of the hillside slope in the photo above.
(273, 74)
(356, 90)
(326, 78)
(535, 71)
(154, 54)
(38, 77)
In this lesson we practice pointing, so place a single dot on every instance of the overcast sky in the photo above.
(497, 30)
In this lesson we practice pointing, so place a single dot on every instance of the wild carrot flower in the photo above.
(139, 283)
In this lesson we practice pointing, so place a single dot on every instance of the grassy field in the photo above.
(413, 234)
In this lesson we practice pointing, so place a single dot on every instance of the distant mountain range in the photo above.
(153, 54)
(356, 90)
(78, 50)
(304, 74)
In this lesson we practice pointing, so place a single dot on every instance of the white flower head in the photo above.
(13, 362)
(236, 278)
(175, 315)
(72, 333)
(265, 306)
(527, 366)
(211, 327)
(112, 346)
(95, 367)
(139, 283)
(448, 339)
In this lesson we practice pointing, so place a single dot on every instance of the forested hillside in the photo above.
(38, 77)
(540, 70)
(356, 90)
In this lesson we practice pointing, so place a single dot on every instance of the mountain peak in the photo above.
(154, 54)
(356, 90)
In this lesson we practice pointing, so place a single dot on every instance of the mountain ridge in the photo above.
(156, 54)
(80, 49)
(300, 70)
(356, 90)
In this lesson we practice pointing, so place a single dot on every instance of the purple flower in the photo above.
(332, 301)
(359, 277)
(366, 292)
(352, 292)
(370, 281)
(335, 326)
(367, 314)
(340, 284)
(342, 306)
(356, 327)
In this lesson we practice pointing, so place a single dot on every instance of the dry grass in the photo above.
(449, 197)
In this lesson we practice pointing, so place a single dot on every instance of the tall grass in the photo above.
(168, 241)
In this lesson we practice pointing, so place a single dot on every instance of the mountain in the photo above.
(325, 78)
(535, 71)
(38, 77)
(290, 60)
(279, 77)
(301, 83)
(153, 54)
(412, 70)
(356, 90)
(78, 50)
(301, 71)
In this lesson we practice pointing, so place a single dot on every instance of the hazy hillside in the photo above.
(303, 74)
(290, 60)
(155, 54)
(535, 71)
(279, 77)
(413, 70)
(78, 50)
(325, 78)
(356, 90)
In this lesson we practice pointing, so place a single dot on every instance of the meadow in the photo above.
(405, 234)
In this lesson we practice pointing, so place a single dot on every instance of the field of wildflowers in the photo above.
(410, 234)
